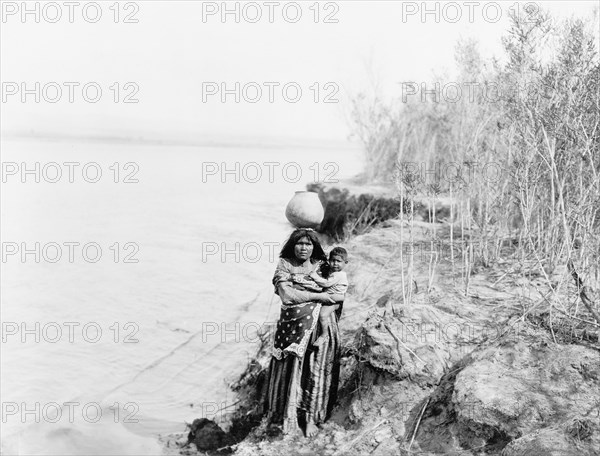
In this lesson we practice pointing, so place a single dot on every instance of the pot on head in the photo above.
(305, 210)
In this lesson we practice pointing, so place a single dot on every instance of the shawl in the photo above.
(297, 320)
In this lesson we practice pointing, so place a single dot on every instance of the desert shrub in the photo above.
(534, 115)
(347, 214)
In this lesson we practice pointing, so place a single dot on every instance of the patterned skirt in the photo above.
(302, 388)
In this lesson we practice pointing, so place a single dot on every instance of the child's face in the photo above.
(337, 263)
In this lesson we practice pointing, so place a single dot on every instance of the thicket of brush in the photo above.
(347, 215)
(515, 144)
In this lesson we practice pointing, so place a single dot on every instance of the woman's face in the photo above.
(303, 249)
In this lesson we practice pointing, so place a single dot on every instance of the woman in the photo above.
(303, 378)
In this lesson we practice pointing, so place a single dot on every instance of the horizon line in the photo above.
(206, 141)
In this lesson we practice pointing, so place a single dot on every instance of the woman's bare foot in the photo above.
(311, 429)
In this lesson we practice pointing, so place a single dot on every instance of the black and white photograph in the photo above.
(263, 228)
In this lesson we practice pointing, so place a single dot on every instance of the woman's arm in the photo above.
(335, 300)
(290, 295)
(337, 297)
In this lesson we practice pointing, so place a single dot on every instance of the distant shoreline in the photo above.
(267, 143)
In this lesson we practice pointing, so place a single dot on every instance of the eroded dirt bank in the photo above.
(457, 370)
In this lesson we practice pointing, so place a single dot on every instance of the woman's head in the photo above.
(303, 244)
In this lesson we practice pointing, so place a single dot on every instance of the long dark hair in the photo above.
(287, 251)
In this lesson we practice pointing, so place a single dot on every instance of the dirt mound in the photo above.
(505, 396)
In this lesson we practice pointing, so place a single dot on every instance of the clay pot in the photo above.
(305, 210)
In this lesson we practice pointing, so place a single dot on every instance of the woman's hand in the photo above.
(337, 297)
(325, 298)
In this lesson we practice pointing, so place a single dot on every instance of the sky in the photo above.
(293, 66)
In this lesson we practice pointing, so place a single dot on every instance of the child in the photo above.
(334, 281)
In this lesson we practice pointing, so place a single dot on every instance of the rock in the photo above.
(522, 386)
(389, 346)
(554, 442)
(382, 434)
(516, 396)
(206, 435)
(380, 348)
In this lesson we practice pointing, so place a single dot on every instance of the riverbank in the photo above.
(469, 360)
